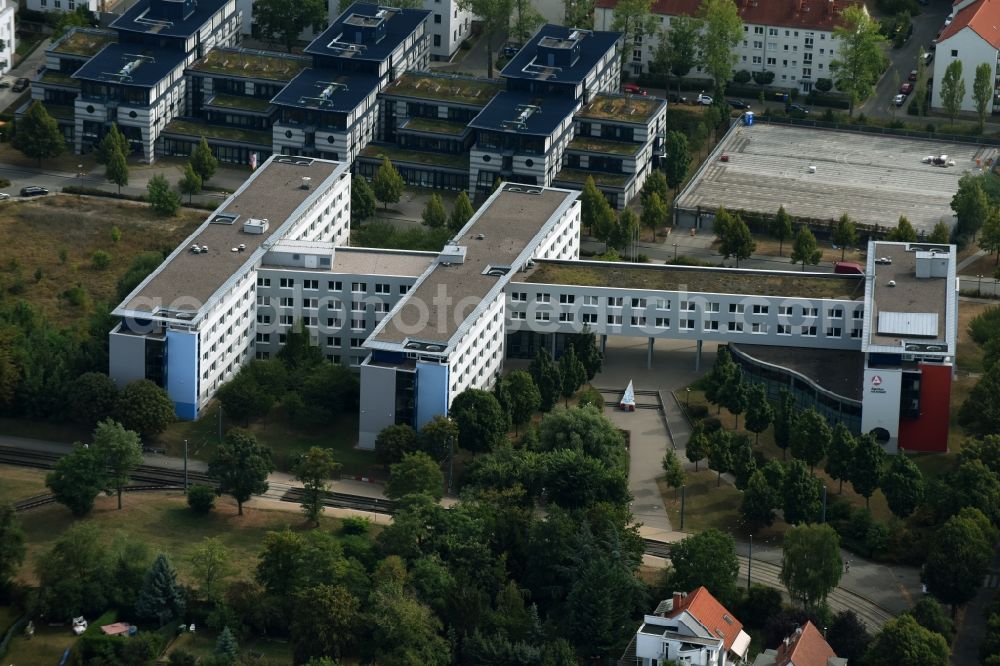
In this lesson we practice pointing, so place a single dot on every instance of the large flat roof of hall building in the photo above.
(872, 178)
(185, 281)
(910, 313)
(511, 222)
(658, 277)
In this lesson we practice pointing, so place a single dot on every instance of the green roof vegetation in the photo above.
(625, 109)
(449, 89)
(720, 281)
(59, 78)
(251, 65)
(600, 177)
(437, 126)
(240, 102)
(62, 111)
(196, 129)
(604, 146)
(84, 43)
(397, 155)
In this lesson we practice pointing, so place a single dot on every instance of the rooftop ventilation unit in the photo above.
(255, 226)
(305, 182)
(132, 63)
(224, 218)
(325, 95)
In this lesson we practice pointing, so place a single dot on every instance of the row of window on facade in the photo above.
(383, 288)
(757, 328)
(666, 304)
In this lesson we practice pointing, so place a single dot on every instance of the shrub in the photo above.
(355, 525)
(591, 396)
(696, 412)
(711, 425)
(983, 325)
(201, 498)
(77, 296)
(100, 260)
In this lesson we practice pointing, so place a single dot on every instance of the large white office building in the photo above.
(791, 38)
(8, 36)
(874, 351)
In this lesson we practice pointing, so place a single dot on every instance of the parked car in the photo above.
(928, 56)
(634, 89)
(21, 84)
(912, 76)
(510, 50)
(674, 98)
(738, 104)
(795, 109)
(883, 260)
(4, 84)
(703, 99)
(899, 100)
(33, 191)
(4, 196)
(906, 88)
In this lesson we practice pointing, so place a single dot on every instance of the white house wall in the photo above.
(972, 50)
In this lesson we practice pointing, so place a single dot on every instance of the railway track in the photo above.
(152, 479)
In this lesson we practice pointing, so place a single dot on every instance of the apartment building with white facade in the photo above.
(64, 5)
(791, 38)
(192, 323)
(973, 37)
(8, 36)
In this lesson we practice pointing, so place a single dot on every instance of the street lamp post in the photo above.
(675, 251)
(749, 562)
(979, 286)
(185, 466)
(687, 401)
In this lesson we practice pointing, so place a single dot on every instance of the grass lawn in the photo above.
(46, 647)
(275, 432)
(706, 506)
(165, 523)
(32, 234)
(19, 483)
(56, 432)
(969, 353)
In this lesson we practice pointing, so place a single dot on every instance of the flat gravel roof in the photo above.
(872, 178)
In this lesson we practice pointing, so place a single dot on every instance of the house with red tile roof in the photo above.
(805, 647)
(692, 628)
(793, 39)
(973, 36)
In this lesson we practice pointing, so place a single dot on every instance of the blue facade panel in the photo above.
(182, 373)
(432, 392)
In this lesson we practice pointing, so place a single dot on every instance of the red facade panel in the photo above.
(930, 431)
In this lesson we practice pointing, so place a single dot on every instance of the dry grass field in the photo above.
(47, 245)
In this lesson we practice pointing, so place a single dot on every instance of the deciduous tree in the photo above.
(633, 18)
(904, 231)
(737, 242)
(697, 447)
(243, 398)
(495, 17)
(461, 212)
(92, 398)
(387, 184)
(363, 202)
(654, 213)
(720, 453)
(982, 91)
(860, 58)
(845, 234)
(203, 161)
(810, 563)
(545, 374)
(941, 233)
(678, 156)
(211, 564)
(190, 184)
(572, 374)
(77, 479)
(434, 215)
(848, 636)
(760, 414)
(781, 227)
(162, 199)
(326, 622)
(744, 464)
(759, 501)
(144, 407)
(805, 250)
(116, 168)
(438, 437)
(415, 473)
(952, 89)
(314, 469)
(12, 549)
(722, 31)
(38, 135)
(393, 442)
(481, 422)
(241, 467)
(707, 559)
(587, 351)
(282, 21)
(866, 472)
(121, 452)
(810, 437)
(112, 140)
(673, 472)
(801, 493)
(903, 642)
(525, 398)
(840, 456)
(903, 485)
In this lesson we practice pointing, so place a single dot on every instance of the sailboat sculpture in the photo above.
(627, 403)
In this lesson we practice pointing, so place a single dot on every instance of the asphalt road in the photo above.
(904, 60)
(27, 68)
